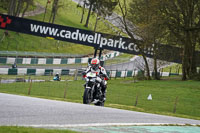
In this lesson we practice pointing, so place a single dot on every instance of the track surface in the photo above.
(28, 111)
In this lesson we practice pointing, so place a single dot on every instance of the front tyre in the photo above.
(100, 103)
(87, 96)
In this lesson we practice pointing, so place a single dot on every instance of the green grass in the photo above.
(33, 77)
(175, 68)
(3, 10)
(164, 93)
(119, 59)
(15, 129)
(118, 10)
(122, 93)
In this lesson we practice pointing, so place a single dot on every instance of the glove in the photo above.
(83, 73)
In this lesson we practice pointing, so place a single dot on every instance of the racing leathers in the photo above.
(100, 71)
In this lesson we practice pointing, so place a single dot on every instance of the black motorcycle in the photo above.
(93, 93)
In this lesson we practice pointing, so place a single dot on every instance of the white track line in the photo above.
(101, 124)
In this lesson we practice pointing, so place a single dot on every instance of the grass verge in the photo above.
(15, 129)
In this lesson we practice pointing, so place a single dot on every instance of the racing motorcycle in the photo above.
(93, 93)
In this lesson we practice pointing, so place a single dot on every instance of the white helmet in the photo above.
(95, 63)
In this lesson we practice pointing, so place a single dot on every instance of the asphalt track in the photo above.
(36, 112)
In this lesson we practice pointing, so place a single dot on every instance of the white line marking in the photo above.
(101, 124)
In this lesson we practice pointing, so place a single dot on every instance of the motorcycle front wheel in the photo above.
(99, 104)
(87, 96)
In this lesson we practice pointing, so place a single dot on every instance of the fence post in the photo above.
(136, 101)
(125, 74)
(116, 74)
(29, 79)
(175, 104)
(29, 89)
(161, 72)
(65, 91)
(170, 70)
(134, 73)
(50, 76)
(178, 69)
(76, 74)
(110, 74)
(24, 78)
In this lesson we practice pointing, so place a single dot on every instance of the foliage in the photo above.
(101, 7)
(131, 29)
(196, 76)
(172, 22)
(105, 7)
(55, 6)
(175, 68)
(182, 19)
(17, 7)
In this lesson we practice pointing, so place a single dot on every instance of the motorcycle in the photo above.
(93, 93)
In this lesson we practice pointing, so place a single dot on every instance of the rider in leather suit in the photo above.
(95, 67)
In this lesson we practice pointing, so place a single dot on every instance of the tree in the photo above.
(11, 7)
(91, 2)
(173, 22)
(55, 6)
(48, 2)
(144, 15)
(4, 4)
(104, 8)
(101, 7)
(54, 11)
(137, 24)
(28, 3)
(16, 7)
(83, 10)
(182, 17)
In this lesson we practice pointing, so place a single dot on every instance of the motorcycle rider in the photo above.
(14, 65)
(96, 68)
(57, 76)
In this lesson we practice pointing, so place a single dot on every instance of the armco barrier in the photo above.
(19, 60)
(27, 71)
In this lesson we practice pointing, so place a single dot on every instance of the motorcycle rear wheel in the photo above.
(87, 97)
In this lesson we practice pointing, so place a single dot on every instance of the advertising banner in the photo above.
(86, 37)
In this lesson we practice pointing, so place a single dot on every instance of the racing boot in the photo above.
(104, 93)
